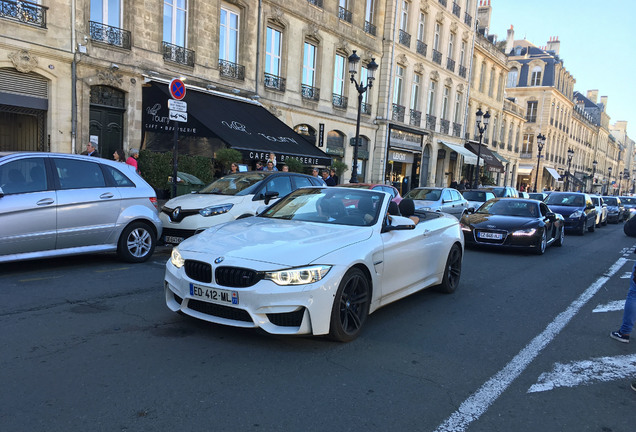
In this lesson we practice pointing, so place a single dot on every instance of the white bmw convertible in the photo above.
(317, 262)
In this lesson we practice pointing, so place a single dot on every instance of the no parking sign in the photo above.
(177, 89)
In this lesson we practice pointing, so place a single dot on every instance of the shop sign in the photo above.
(397, 156)
(404, 139)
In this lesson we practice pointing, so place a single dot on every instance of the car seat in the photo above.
(407, 208)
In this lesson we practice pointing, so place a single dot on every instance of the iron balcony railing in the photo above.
(450, 64)
(228, 69)
(309, 92)
(437, 57)
(421, 48)
(444, 126)
(415, 118)
(365, 108)
(457, 129)
(468, 20)
(110, 35)
(24, 12)
(178, 54)
(457, 10)
(315, 3)
(431, 120)
(344, 14)
(405, 38)
(274, 82)
(462, 71)
(339, 101)
(370, 28)
(398, 112)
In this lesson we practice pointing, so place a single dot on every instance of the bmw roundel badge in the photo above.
(218, 260)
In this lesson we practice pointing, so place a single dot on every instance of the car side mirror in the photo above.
(399, 223)
(269, 196)
(551, 216)
(470, 210)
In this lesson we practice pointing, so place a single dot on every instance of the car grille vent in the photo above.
(198, 271)
(237, 277)
(219, 310)
(288, 319)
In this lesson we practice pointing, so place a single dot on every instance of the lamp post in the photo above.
(567, 179)
(354, 59)
(540, 144)
(609, 181)
(481, 127)
(594, 163)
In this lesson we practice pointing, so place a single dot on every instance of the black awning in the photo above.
(494, 164)
(242, 125)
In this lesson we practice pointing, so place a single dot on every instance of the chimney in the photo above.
(483, 15)
(604, 102)
(592, 95)
(554, 45)
(510, 40)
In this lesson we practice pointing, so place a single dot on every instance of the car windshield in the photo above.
(234, 184)
(568, 200)
(610, 201)
(499, 192)
(327, 205)
(596, 201)
(475, 196)
(510, 207)
(424, 194)
(628, 200)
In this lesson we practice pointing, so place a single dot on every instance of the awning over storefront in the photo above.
(525, 169)
(501, 158)
(240, 124)
(492, 162)
(553, 173)
(469, 157)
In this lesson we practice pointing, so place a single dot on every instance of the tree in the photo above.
(294, 165)
(227, 156)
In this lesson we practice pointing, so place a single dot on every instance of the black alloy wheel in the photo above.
(351, 306)
(453, 271)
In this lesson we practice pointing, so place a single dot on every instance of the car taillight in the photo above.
(153, 200)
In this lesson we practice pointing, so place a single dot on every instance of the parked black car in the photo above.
(577, 209)
(615, 209)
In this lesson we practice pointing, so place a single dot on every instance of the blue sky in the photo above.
(597, 38)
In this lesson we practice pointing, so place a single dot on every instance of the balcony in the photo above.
(450, 64)
(109, 35)
(462, 71)
(370, 28)
(421, 48)
(531, 118)
(178, 54)
(416, 118)
(398, 113)
(365, 108)
(317, 3)
(430, 122)
(468, 20)
(444, 126)
(274, 82)
(457, 129)
(310, 93)
(344, 14)
(24, 12)
(228, 69)
(457, 10)
(405, 38)
(443, 3)
(437, 57)
(339, 101)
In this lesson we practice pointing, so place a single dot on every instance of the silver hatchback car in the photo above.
(62, 204)
(437, 199)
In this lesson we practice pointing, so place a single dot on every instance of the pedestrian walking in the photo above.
(629, 312)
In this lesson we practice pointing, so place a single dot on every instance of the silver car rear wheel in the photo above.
(137, 243)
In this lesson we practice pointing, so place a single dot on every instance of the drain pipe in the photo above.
(73, 82)
(389, 100)
(258, 45)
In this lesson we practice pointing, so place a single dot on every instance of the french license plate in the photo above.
(214, 295)
(487, 235)
(173, 239)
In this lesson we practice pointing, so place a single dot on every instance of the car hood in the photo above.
(565, 210)
(197, 201)
(508, 223)
(425, 203)
(280, 242)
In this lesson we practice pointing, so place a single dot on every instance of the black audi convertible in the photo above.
(513, 223)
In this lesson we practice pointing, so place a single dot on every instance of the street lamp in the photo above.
(594, 163)
(567, 178)
(354, 59)
(609, 181)
(540, 144)
(481, 127)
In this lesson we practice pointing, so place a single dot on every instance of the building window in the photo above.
(445, 103)
(531, 111)
(494, 131)
(175, 17)
(415, 92)
(273, 52)
(482, 72)
(369, 17)
(535, 79)
(458, 107)
(512, 77)
(430, 109)
(436, 37)
(339, 75)
(229, 34)
(500, 87)
(404, 20)
(462, 53)
(528, 140)
(309, 65)
(397, 91)
(491, 83)
(106, 12)
(421, 27)
(451, 44)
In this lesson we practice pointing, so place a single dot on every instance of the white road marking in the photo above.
(611, 306)
(477, 404)
(586, 371)
(626, 275)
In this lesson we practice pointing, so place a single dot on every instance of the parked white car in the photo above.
(447, 200)
(234, 196)
(601, 210)
(316, 262)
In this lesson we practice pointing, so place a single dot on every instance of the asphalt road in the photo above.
(88, 345)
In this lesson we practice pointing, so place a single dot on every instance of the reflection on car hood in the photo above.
(564, 210)
(198, 201)
(508, 223)
(425, 203)
(281, 242)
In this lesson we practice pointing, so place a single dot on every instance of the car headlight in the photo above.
(525, 233)
(465, 227)
(298, 276)
(176, 259)
(215, 210)
(577, 214)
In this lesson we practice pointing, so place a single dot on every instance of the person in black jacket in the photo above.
(327, 178)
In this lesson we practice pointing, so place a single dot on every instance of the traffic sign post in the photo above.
(178, 114)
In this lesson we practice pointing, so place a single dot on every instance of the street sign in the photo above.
(177, 89)
(176, 105)
(179, 116)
